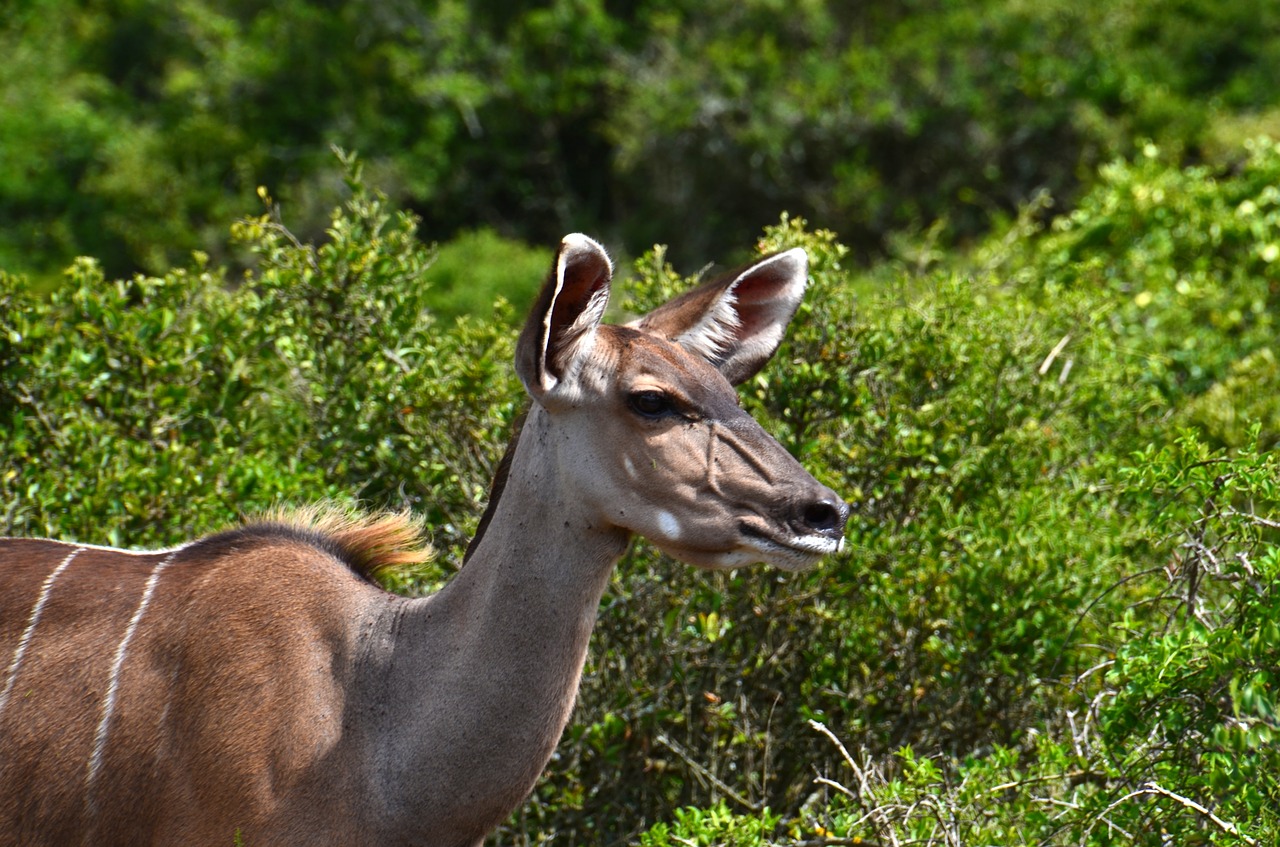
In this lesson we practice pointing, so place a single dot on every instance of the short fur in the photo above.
(253, 687)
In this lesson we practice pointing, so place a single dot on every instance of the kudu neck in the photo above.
(486, 671)
(537, 518)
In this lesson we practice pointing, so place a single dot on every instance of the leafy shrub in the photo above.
(716, 825)
(1172, 739)
(1192, 259)
(135, 130)
(980, 414)
(475, 269)
(142, 411)
(1027, 515)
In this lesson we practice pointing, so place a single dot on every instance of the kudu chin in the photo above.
(257, 687)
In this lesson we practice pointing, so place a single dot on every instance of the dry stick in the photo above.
(1151, 788)
(764, 772)
(1053, 354)
(875, 813)
(1225, 826)
(831, 783)
(836, 741)
(1257, 519)
(701, 771)
(1075, 777)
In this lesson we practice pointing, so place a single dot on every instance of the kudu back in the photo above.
(257, 687)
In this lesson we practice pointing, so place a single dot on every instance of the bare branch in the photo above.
(1250, 516)
(701, 771)
(1155, 789)
(1225, 826)
(1053, 354)
(836, 741)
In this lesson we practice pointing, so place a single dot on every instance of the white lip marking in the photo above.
(668, 525)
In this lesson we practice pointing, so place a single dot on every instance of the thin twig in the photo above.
(1260, 521)
(1225, 826)
(1152, 788)
(836, 741)
(1074, 777)
(1053, 354)
(27, 399)
(701, 771)
(831, 783)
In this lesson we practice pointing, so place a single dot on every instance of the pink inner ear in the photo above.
(756, 301)
(585, 278)
(572, 301)
(751, 321)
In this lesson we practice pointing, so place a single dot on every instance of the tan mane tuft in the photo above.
(371, 543)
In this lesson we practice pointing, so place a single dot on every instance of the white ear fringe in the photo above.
(579, 334)
(717, 337)
(716, 333)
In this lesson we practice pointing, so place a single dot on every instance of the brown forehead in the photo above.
(640, 354)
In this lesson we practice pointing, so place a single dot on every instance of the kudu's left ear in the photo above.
(562, 324)
(736, 322)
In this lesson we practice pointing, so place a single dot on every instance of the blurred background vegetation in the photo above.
(1039, 353)
(135, 129)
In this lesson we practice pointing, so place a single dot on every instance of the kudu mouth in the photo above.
(813, 528)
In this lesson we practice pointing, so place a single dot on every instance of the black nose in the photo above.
(825, 516)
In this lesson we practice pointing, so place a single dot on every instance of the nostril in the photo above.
(825, 516)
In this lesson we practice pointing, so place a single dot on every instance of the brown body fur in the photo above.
(230, 701)
(256, 686)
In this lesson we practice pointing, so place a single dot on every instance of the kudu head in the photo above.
(645, 423)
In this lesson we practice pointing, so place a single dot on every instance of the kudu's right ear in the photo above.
(562, 324)
(735, 322)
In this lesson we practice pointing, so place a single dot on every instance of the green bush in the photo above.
(1170, 739)
(981, 414)
(141, 411)
(474, 270)
(1055, 617)
(135, 129)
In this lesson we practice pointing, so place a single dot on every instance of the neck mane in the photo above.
(499, 485)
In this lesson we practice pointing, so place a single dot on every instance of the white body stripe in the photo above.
(157, 552)
(46, 588)
(113, 684)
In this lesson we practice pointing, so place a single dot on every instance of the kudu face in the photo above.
(646, 423)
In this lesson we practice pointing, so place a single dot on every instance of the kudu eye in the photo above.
(650, 404)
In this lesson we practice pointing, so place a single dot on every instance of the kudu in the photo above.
(256, 687)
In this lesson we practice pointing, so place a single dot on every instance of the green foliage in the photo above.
(716, 825)
(1194, 260)
(981, 415)
(1055, 619)
(1192, 706)
(134, 408)
(118, 396)
(135, 129)
(1172, 739)
(475, 269)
